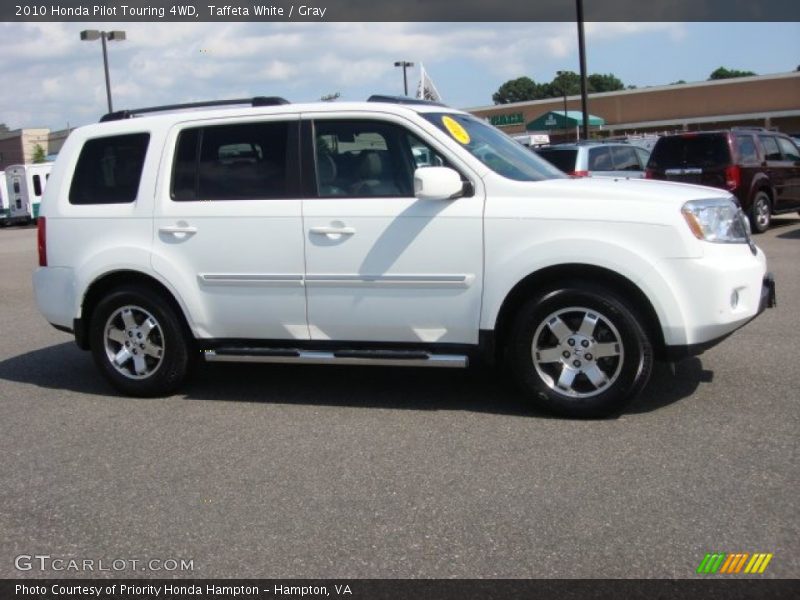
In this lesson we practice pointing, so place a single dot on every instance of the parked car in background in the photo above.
(591, 159)
(760, 167)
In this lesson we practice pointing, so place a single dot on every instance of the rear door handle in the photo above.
(333, 230)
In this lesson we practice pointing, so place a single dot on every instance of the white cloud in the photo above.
(56, 78)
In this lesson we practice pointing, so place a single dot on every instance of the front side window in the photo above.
(37, 185)
(109, 170)
(246, 161)
(493, 148)
(363, 159)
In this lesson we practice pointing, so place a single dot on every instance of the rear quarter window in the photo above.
(109, 170)
(563, 159)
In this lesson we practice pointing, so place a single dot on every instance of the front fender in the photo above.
(506, 269)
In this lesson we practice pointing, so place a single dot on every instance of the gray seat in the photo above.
(374, 176)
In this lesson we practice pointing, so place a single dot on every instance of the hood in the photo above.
(632, 190)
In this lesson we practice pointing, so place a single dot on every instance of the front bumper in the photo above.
(768, 300)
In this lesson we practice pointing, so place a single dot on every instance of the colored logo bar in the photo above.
(734, 563)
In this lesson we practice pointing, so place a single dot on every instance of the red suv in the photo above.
(760, 167)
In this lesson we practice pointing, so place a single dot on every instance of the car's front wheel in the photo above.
(138, 342)
(580, 351)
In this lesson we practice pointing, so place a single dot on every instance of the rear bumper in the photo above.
(768, 300)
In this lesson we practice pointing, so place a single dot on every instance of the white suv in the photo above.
(386, 232)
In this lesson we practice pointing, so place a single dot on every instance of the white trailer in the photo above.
(25, 186)
(3, 200)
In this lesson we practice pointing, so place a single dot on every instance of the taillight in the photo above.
(649, 173)
(41, 240)
(733, 177)
(580, 173)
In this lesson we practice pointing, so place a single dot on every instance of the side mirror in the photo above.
(437, 183)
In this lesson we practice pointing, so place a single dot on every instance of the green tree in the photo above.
(723, 73)
(516, 90)
(564, 81)
(569, 82)
(39, 155)
(605, 82)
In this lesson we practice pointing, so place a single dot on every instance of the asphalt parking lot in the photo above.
(281, 472)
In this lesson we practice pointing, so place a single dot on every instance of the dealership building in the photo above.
(771, 101)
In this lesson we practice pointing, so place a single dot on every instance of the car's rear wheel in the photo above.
(139, 343)
(580, 351)
(761, 212)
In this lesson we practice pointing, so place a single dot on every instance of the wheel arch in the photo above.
(587, 273)
(98, 288)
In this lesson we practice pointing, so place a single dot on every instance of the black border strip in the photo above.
(397, 10)
(402, 589)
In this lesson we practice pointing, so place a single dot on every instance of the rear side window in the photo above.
(746, 149)
(600, 159)
(789, 150)
(109, 170)
(245, 161)
(690, 150)
(771, 150)
(625, 159)
(563, 159)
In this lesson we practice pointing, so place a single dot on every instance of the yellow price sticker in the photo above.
(456, 130)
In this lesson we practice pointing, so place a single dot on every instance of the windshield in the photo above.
(494, 149)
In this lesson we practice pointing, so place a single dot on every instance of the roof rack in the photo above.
(255, 101)
(402, 100)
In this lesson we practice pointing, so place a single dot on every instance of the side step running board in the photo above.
(396, 358)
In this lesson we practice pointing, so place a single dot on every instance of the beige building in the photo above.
(762, 101)
(19, 145)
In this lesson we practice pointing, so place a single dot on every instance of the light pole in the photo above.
(405, 64)
(90, 35)
(560, 75)
(582, 56)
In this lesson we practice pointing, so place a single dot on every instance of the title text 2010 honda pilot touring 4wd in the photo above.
(379, 233)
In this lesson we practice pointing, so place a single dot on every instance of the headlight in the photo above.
(718, 220)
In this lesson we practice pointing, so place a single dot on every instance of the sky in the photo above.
(52, 79)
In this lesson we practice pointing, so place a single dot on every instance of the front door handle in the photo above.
(178, 230)
(333, 230)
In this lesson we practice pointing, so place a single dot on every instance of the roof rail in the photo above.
(402, 100)
(255, 101)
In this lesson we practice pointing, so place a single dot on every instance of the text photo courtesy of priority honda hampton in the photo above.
(387, 232)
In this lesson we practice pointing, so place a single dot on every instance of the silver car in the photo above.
(592, 159)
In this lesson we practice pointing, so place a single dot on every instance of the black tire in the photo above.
(588, 319)
(760, 213)
(140, 321)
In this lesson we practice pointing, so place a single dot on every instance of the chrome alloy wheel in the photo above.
(577, 352)
(762, 212)
(134, 342)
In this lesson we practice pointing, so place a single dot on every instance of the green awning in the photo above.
(555, 120)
